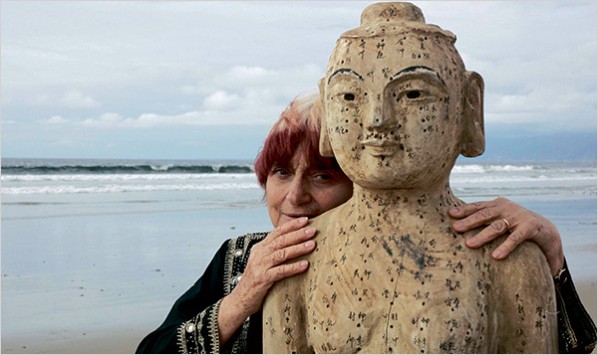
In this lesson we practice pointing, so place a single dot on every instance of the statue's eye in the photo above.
(349, 97)
(413, 94)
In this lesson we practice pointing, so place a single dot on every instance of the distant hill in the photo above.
(503, 145)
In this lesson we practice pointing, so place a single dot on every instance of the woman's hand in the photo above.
(267, 264)
(502, 216)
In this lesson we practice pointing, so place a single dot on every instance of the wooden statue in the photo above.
(389, 275)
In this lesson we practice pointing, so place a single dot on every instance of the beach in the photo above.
(123, 340)
(92, 261)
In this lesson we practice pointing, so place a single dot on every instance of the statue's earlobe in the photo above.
(472, 136)
(325, 147)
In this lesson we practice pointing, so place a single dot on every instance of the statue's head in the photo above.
(399, 106)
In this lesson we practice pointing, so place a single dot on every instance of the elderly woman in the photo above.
(221, 312)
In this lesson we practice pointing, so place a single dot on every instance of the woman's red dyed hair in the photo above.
(297, 128)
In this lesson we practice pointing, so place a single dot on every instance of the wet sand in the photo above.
(124, 340)
(98, 282)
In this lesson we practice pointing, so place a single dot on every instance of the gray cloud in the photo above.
(145, 65)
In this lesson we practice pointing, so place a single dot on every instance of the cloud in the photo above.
(72, 99)
(249, 94)
(76, 99)
(223, 100)
(231, 79)
(220, 100)
(242, 72)
(56, 120)
(142, 66)
(111, 120)
(108, 119)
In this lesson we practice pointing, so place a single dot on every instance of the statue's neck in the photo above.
(418, 203)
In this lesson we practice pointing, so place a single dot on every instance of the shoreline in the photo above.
(96, 272)
(124, 339)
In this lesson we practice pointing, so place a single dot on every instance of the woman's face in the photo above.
(298, 190)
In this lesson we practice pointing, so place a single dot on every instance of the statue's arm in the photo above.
(527, 301)
(283, 328)
(272, 327)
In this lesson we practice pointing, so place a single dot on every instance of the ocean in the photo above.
(102, 244)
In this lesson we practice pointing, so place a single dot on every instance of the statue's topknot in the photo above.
(391, 11)
(386, 18)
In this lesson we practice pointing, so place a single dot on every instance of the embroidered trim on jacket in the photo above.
(200, 334)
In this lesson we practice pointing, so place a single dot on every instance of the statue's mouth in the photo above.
(380, 147)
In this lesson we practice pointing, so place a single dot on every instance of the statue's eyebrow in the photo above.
(345, 71)
(419, 70)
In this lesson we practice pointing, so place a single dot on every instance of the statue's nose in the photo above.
(378, 119)
(376, 122)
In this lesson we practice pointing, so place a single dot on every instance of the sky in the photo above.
(206, 80)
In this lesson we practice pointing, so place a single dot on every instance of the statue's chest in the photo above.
(381, 298)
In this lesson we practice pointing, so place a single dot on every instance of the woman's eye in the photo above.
(325, 177)
(322, 177)
(279, 171)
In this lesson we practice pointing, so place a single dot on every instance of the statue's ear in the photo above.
(325, 147)
(472, 134)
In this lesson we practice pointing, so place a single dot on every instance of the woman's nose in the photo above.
(299, 193)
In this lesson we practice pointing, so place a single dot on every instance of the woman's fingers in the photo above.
(286, 253)
(488, 234)
(510, 243)
(474, 215)
(503, 216)
(286, 228)
(500, 215)
(269, 259)
(283, 271)
(292, 238)
(468, 209)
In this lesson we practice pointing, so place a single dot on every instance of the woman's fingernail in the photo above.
(303, 219)
(310, 230)
(498, 254)
(458, 224)
(309, 244)
(454, 210)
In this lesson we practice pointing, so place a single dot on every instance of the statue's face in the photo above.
(392, 110)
